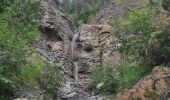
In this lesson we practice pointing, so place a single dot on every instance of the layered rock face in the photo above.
(152, 87)
(57, 30)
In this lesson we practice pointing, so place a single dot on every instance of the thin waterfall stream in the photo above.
(74, 60)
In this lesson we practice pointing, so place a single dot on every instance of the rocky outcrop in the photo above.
(152, 87)
(57, 30)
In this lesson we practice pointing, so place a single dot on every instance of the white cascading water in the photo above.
(75, 36)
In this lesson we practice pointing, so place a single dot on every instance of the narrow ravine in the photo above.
(68, 49)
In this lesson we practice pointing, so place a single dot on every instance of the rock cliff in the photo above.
(57, 30)
(59, 47)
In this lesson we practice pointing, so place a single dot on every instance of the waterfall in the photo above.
(76, 72)
(75, 36)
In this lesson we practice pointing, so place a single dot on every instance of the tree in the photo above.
(18, 29)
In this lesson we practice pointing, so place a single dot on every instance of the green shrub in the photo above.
(2, 98)
(50, 81)
(145, 36)
(83, 9)
(88, 47)
(131, 72)
(159, 41)
(6, 87)
(18, 30)
(105, 80)
(110, 80)
(32, 72)
(134, 33)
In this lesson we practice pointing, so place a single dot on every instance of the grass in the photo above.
(33, 72)
(131, 72)
(111, 79)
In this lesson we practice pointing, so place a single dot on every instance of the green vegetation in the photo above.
(51, 81)
(144, 36)
(83, 10)
(105, 80)
(143, 33)
(30, 74)
(88, 47)
(134, 31)
(130, 72)
(19, 65)
(111, 79)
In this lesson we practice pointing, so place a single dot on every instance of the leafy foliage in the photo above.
(130, 72)
(105, 80)
(32, 72)
(50, 81)
(144, 36)
(111, 79)
(134, 33)
(82, 10)
(18, 29)
(159, 41)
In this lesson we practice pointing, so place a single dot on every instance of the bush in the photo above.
(50, 81)
(131, 72)
(18, 30)
(88, 47)
(6, 87)
(134, 33)
(110, 80)
(83, 9)
(145, 36)
(32, 72)
(159, 41)
(105, 80)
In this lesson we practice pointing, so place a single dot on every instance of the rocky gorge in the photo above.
(64, 44)
(84, 50)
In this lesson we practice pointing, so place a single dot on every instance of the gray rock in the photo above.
(71, 94)
(21, 99)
